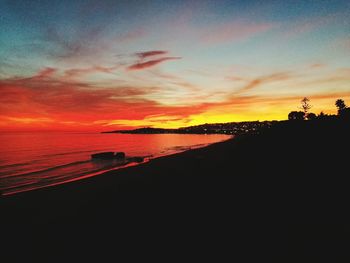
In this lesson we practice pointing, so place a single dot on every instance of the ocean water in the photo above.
(36, 159)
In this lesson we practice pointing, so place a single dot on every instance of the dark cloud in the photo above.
(150, 63)
(146, 54)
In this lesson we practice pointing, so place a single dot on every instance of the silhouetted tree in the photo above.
(296, 116)
(343, 110)
(305, 106)
(311, 116)
(340, 105)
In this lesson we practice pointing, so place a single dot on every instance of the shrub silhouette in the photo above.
(296, 116)
(311, 116)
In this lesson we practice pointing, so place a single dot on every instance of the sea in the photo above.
(32, 160)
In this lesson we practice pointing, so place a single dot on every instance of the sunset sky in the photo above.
(105, 65)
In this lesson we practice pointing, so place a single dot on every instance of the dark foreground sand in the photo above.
(282, 193)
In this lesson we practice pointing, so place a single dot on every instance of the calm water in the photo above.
(34, 160)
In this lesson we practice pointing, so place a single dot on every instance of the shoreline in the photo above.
(147, 159)
(76, 181)
(253, 187)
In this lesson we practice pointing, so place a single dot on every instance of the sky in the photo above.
(101, 65)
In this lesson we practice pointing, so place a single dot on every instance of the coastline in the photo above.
(79, 182)
(172, 151)
(259, 187)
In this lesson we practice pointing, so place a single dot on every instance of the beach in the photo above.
(240, 195)
(32, 160)
(186, 131)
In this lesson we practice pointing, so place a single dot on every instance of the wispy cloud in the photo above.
(150, 63)
(146, 54)
(78, 72)
(46, 99)
(45, 73)
(29, 120)
(317, 65)
(256, 82)
(86, 43)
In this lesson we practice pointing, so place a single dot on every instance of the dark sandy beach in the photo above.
(284, 191)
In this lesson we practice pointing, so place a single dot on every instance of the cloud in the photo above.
(78, 72)
(51, 102)
(150, 63)
(53, 97)
(29, 120)
(87, 45)
(142, 64)
(50, 99)
(45, 73)
(279, 76)
(151, 121)
(65, 47)
(317, 65)
(146, 54)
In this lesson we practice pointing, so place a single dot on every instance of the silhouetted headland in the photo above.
(236, 128)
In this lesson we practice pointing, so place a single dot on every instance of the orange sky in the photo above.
(171, 65)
